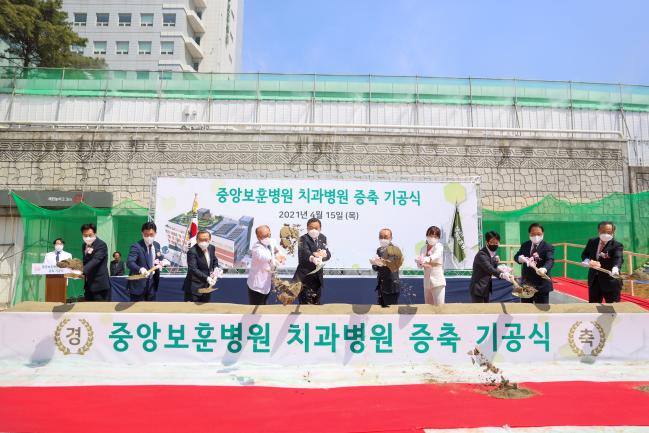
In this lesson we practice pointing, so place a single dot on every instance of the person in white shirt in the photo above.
(431, 259)
(53, 257)
(265, 258)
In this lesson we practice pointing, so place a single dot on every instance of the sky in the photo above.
(578, 40)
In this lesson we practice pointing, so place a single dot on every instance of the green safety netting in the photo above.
(575, 223)
(321, 87)
(119, 226)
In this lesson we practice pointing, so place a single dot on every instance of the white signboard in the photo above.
(301, 339)
(352, 213)
(41, 269)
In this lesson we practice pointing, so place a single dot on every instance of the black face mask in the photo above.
(492, 247)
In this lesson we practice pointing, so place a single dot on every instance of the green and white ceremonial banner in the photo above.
(352, 213)
(299, 339)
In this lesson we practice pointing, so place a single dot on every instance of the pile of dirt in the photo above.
(498, 385)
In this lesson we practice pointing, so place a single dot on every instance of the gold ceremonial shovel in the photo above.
(209, 289)
(525, 291)
(607, 272)
(540, 274)
(141, 276)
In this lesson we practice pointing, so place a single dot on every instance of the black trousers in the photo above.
(101, 296)
(256, 298)
(147, 295)
(480, 299)
(596, 292)
(310, 294)
(196, 297)
(538, 298)
(387, 299)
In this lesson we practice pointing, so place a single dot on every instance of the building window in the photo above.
(125, 20)
(121, 47)
(78, 49)
(167, 47)
(169, 20)
(166, 75)
(196, 66)
(102, 20)
(142, 75)
(144, 47)
(197, 39)
(146, 20)
(80, 19)
(99, 47)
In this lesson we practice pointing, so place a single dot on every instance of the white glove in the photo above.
(376, 261)
(615, 271)
(211, 281)
(143, 271)
(165, 262)
(505, 276)
(543, 270)
(317, 261)
(586, 262)
(216, 273)
(504, 268)
(522, 259)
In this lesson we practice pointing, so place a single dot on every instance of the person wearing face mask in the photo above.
(431, 259)
(145, 258)
(265, 257)
(388, 285)
(95, 265)
(117, 265)
(312, 251)
(486, 265)
(536, 254)
(606, 253)
(201, 268)
(53, 257)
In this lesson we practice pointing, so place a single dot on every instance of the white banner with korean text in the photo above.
(352, 213)
(299, 339)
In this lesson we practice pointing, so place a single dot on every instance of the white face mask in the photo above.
(536, 239)
(203, 245)
(89, 239)
(384, 242)
(58, 247)
(605, 237)
(432, 241)
(148, 240)
(265, 242)
(314, 233)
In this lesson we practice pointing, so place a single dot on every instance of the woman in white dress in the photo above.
(431, 259)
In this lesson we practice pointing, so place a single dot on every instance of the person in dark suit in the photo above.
(486, 265)
(95, 265)
(201, 266)
(388, 285)
(536, 253)
(143, 256)
(607, 253)
(312, 251)
(117, 265)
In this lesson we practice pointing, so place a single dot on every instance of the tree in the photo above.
(37, 33)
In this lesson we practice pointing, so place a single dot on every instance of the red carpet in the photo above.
(579, 289)
(358, 409)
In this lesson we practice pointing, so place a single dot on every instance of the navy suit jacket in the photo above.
(611, 255)
(138, 257)
(197, 269)
(484, 267)
(545, 260)
(305, 248)
(95, 267)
